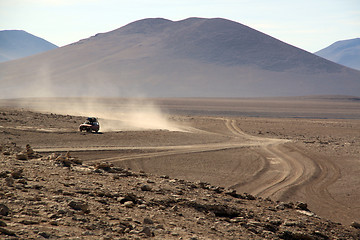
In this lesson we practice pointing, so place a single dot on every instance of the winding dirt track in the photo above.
(286, 170)
(281, 171)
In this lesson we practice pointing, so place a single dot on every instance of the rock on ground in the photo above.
(48, 199)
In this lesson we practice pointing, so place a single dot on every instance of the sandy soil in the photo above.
(58, 196)
(286, 159)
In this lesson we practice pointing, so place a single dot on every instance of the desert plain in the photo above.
(304, 149)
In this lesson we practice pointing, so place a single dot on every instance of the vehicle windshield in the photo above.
(92, 121)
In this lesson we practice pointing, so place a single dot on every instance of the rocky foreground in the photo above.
(59, 197)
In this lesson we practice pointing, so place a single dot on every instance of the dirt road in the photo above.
(309, 160)
(284, 169)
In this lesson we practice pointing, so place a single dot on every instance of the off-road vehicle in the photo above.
(90, 125)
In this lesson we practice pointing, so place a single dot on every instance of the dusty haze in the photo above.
(120, 115)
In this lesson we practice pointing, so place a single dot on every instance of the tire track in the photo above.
(285, 169)
(293, 172)
(282, 170)
(276, 174)
(158, 151)
(315, 188)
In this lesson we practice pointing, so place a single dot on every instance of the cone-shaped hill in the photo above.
(194, 57)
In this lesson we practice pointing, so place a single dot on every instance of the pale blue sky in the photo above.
(307, 24)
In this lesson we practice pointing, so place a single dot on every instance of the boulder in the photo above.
(146, 187)
(17, 173)
(31, 154)
(355, 225)
(79, 205)
(4, 210)
(147, 232)
(148, 221)
(7, 232)
(301, 206)
(129, 204)
(22, 156)
(104, 166)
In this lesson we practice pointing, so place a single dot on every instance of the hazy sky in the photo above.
(308, 24)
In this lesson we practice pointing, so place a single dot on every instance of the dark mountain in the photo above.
(195, 57)
(16, 44)
(346, 52)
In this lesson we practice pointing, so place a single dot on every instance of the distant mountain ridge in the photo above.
(16, 44)
(346, 52)
(195, 57)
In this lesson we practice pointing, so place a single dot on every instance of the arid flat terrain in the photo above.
(294, 153)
